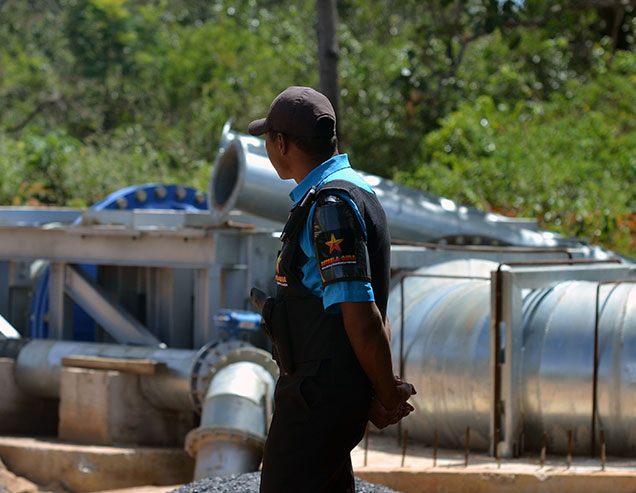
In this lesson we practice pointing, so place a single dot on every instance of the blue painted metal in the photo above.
(237, 324)
(147, 196)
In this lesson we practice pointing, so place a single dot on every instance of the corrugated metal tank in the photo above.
(446, 355)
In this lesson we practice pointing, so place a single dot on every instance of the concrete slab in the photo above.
(142, 469)
(82, 468)
(483, 475)
(106, 407)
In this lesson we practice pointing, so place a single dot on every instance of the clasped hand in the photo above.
(382, 417)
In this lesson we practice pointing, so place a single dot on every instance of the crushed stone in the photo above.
(250, 482)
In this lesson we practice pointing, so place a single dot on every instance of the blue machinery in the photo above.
(509, 330)
(149, 196)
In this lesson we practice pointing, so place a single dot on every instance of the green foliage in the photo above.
(101, 94)
(569, 161)
(100, 35)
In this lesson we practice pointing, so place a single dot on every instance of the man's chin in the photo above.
(282, 176)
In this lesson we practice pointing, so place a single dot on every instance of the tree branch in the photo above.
(58, 101)
(618, 20)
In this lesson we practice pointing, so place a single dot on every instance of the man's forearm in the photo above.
(366, 332)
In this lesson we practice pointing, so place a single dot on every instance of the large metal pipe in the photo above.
(39, 365)
(447, 353)
(446, 350)
(243, 178)
(236, 413)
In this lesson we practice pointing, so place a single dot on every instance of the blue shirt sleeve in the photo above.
(339, 292)
(335, 293)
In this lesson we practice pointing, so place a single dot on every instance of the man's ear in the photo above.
(282, 143)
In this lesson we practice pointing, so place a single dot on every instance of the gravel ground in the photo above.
(249, 483)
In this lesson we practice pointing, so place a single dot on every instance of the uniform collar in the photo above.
(318, 175)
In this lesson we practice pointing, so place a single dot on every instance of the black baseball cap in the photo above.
(297, 111)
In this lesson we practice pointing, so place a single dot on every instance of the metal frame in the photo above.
(507, 282)
(122, 326)
(221, 257)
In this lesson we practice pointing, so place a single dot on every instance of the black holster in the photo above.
(275, 324)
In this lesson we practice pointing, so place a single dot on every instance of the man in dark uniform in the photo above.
(328, 319)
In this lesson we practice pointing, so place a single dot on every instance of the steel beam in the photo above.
(7, 331)
(180, 248)
(33, 216)
(4, 288)
(124, 328)
(60, 312)
(204, 305)
(119, 246)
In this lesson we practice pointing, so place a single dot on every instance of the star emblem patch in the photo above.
(334, 243)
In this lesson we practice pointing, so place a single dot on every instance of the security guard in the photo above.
(328, 319)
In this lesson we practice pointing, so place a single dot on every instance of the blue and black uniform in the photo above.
(336, 248)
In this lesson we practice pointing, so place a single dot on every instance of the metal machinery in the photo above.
(492, 319)
(147, 279)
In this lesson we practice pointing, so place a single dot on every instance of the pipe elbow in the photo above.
(235, 415)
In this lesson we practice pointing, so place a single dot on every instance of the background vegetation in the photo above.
(520, 107)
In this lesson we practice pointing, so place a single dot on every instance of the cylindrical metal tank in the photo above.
(558, 366)
(446, 350)
(243, 178)
(447, 357)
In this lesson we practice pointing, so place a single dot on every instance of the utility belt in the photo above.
(300, 331)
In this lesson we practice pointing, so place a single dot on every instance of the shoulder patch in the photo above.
(339, 242)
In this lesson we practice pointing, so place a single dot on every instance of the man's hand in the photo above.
(405, 389)
(382, 417)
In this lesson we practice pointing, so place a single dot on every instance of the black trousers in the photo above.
(320, 415)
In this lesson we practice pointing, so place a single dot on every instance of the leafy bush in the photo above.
(570, 162)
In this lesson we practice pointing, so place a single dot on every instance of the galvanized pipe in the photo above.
(39, 365)
(559, 365)
(447, 349)
(234, 421)
(243, 178)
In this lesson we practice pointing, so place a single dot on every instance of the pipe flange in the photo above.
(249, 354)
(204, 362)
(197, 437)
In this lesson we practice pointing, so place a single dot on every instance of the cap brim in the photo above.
(257, 127)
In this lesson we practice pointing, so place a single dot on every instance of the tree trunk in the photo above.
(328, 50)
